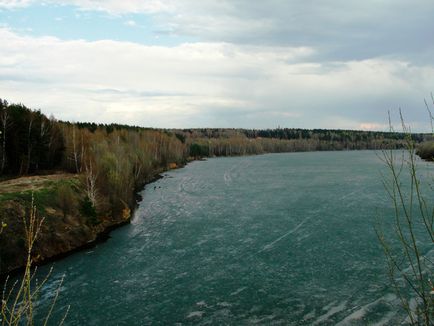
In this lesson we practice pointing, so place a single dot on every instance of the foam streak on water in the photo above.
(283, 239)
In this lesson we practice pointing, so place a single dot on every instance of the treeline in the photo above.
(350, 136)
(29, 140)
(113, 160)
(227, 142)
(114, 164)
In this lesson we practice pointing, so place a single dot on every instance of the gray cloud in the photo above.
(341, 30)
(255, 64)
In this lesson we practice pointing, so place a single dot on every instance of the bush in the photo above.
(197, 150)
(426, 151)
(88, 210)
(65, 198)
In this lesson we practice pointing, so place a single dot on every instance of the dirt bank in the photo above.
(69, 225)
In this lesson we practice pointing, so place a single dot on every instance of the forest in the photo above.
(114, 160)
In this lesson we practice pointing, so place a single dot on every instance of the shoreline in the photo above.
(101, 236)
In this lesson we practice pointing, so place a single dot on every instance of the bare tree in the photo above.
(91, 177)
(75, 151)
(18, 301)
(405, 245)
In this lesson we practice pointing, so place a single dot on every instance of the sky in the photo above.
(335, 64)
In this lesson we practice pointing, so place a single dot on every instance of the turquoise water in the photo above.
(271, 239)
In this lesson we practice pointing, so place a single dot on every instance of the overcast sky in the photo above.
(221, 63)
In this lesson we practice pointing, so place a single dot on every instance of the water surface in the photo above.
(270, 239)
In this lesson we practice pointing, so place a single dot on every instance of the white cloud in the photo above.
(369, 126)
(11, 4)
(131, 23)
(204, 84)
(111, 6)
(122, 7)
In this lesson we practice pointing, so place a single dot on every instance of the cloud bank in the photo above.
(254, 65)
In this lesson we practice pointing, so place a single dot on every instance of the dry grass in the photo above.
(32, 183)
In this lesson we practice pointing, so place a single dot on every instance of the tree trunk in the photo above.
(4, 124)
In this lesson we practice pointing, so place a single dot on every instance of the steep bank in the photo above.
(69, 223)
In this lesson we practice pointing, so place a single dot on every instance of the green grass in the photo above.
(43, 197)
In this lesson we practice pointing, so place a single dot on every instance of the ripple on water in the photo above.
(273, 239)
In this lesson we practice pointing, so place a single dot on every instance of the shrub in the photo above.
(407, 245)
(88, 210)
(65, 198)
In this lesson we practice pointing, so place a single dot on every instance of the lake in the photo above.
(282, 239)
